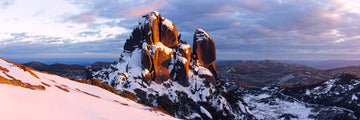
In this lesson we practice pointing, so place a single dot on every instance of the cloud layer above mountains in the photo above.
(246, 29)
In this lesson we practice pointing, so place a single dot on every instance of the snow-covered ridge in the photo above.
(162, 71)
(62, 98)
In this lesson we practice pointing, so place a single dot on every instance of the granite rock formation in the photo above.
(162, 71)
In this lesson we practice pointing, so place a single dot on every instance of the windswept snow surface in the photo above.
(80, 102)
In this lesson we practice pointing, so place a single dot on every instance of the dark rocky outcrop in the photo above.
(146, 60)
(165, 57)
(204, 50)
(160, 71)
(183, 64)
(134, 41)
(168, 33)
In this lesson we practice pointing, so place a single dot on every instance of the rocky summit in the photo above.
(161, 70)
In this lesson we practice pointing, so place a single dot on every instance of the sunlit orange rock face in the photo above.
(163, 57)
(168, 33)
(154, 21)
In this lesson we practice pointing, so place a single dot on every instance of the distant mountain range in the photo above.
(323, 65)
(328, 64)
(69, 61)
(70, 71)
(252, 73)
(275, 73)
(269, 73)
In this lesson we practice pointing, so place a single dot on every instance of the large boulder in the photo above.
(164, 72)
(162, 60)
(168, 33)
(204, 51)
(162, 48)
(183, 64)
(204, 48)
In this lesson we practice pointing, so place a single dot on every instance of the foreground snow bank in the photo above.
(63, 99)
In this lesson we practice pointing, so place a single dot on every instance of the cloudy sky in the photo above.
(241, 29)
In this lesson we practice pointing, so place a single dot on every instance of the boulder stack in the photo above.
(164, 57)
(168, 33)
(165, 72)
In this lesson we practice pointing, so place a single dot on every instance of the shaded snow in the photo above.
(321, 90)
(276, 108)
(353, 97)
(307, 92)
(135, 63)
(286, 78)
(194, 115)
(203, 110)
(204, 71)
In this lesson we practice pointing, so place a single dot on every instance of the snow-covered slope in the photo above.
(29, 94)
